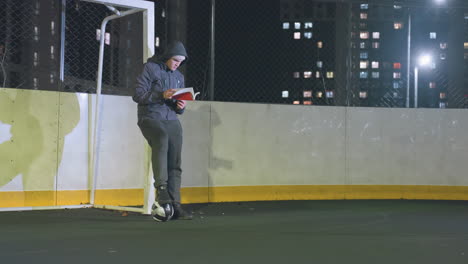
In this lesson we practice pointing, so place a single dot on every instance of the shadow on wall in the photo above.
(216, 163)
(37, 134)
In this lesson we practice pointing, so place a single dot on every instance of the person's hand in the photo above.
(169, 93)
(181, 104)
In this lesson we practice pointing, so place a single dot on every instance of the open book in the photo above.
(184, 94)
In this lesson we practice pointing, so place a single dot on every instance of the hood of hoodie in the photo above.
(175, 48)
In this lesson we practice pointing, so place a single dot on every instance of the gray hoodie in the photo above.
(156, 78)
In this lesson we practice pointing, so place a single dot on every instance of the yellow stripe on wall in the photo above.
(126, 197)
(322, 192)
(117, 197)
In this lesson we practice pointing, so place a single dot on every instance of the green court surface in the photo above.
(287, 232)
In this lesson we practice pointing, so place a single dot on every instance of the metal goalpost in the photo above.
(132, 7)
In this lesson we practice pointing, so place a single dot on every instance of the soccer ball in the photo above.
(162, 213)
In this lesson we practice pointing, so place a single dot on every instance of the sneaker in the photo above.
(180, 213)
(162, 195)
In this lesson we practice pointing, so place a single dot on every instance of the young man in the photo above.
(158, 121)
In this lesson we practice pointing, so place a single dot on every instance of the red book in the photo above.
(186, 94)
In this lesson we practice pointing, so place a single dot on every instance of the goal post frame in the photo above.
(148, 11)
(133, 6)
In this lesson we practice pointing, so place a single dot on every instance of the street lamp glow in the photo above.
(439, 1)
(424, 60)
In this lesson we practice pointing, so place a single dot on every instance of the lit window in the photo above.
(364, 55)
(319, 94)
(362, 45)
(330, 75)
(308, 35)
(375, 45)
(364, 6)
(129, 25)
(375, 75)
(297, 25)
(375, 35)
(465, 45)
(36, 59)
(285, 94)
(432, 85)
(317, 74)
(307, 94)
(52, 52)
(296, 102)
(396, 65)
(52, 28)
(308, 102)
(307, 74)
(363, 16)
(443, 56)
(363, 64)
(297, 35)
(320, 44)
(364, 35)
(52, 78)
(442, 95)
(286, 25)
(433, 35)
(308, 25)
(36, 33)
(397, 25)
(363, 94)
(296, 75)
(320, 64)
(396, 75)
(442, 105)
(35, 83)
(329, 94)
(157, 43)
(363, 75)
(37, 8)
(443, 45)
(396, 85)
(375, 65)
(107, 37)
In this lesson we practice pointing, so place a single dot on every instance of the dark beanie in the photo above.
(175, 48)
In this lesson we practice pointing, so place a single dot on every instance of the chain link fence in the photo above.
(328, 52)
(22, 46)
(123, 54)
(344, 53)
(33, 57)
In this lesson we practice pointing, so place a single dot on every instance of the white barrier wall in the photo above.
(44, 149)
(232, 151)
(255, 144)
(416, 147)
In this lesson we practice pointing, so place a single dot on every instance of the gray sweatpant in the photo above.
(165, 139)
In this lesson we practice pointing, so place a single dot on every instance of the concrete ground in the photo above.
(286, 232)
